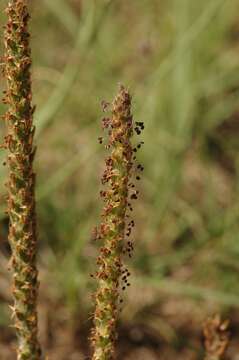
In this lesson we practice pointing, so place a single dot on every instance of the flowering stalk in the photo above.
(21, 184)
(115, 225)
(216, 338)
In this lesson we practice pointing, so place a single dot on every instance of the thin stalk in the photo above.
(116, 225)
(21, 183)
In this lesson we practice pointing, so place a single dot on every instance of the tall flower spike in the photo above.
(116, 224)
(21, 184)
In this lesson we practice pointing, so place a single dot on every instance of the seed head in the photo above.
(21, 183)
(112, 275)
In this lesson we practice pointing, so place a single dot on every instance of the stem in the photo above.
(21, 184)
(113, 227)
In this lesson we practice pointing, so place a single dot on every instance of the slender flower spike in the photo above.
(21, 184)
(116, 225)
(216, 337)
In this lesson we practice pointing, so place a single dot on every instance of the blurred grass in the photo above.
(180, 59)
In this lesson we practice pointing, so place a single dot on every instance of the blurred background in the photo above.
(180, 59)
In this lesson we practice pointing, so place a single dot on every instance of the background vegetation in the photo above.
(180, 60)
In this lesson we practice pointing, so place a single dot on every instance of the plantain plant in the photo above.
(21, 183)
(116, 225)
